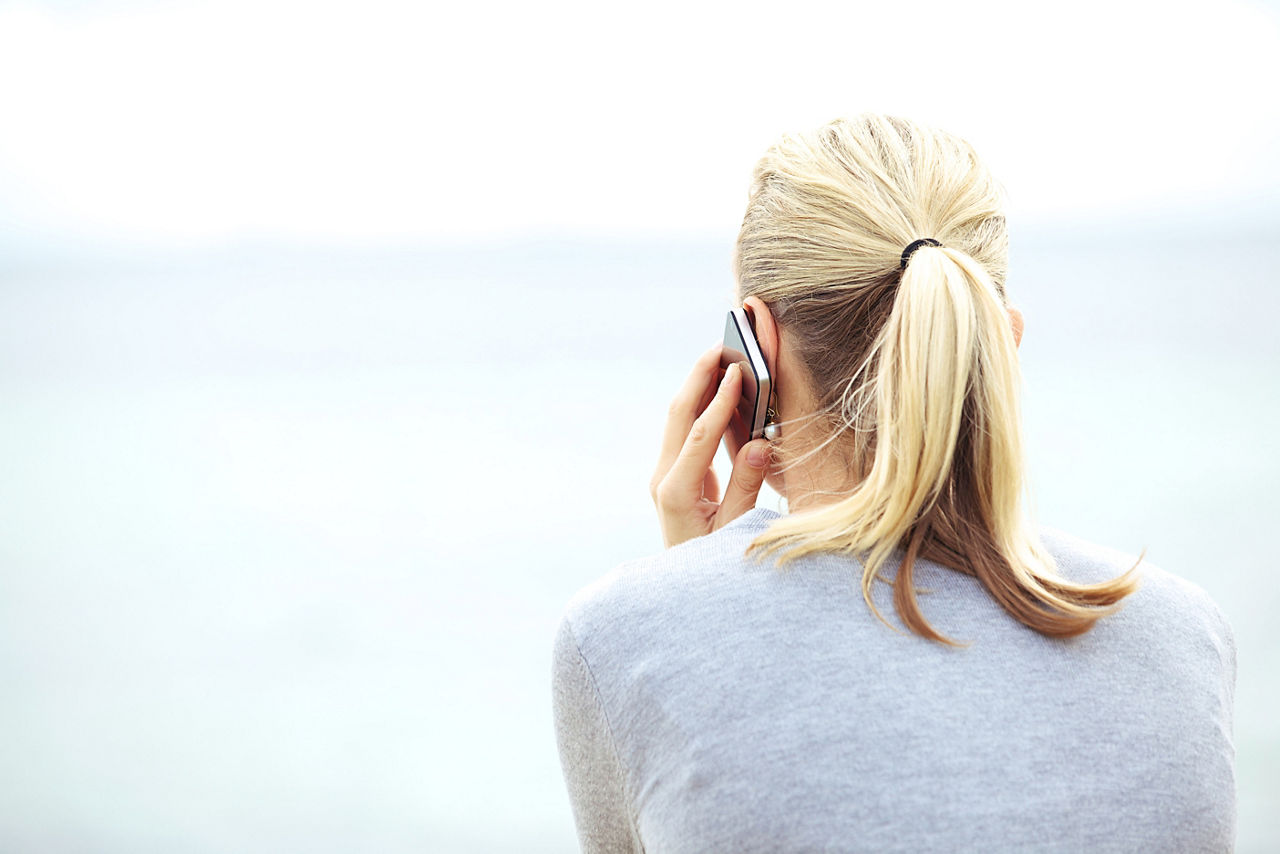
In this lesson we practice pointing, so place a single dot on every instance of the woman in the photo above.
(748, 690)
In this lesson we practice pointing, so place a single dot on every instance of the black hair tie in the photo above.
(912, 247)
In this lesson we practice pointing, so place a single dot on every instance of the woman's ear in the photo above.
(766, 329)
(1015, 320)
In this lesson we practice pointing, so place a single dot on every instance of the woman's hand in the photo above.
(684, 486)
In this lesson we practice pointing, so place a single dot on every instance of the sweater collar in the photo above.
(756, 519)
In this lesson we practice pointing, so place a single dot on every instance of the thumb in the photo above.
(749, 467)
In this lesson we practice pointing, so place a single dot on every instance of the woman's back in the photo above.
(738, 694)
(709, 702)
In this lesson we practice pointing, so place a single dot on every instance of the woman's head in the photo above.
(829, 215)
(912, 368)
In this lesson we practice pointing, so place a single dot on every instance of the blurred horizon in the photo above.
(51, 250)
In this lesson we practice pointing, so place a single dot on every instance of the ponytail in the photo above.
(931, 402)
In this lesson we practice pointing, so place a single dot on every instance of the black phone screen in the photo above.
(748, 420)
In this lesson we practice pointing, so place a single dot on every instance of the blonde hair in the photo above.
(915, 369)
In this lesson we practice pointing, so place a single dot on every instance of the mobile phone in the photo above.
(741, 347)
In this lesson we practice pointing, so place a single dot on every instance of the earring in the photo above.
(772, 429)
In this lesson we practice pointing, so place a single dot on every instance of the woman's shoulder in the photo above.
(653, 588)
(710, 580)
(1162, 598)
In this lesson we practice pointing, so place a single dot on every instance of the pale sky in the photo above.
(160, 122)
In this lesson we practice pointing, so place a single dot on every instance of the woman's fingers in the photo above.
(749, 468)
(711, 486)
(687, 474)
(684, 486)
(692, 399)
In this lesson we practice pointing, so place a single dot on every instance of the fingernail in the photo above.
(724, 381)
(758, 455)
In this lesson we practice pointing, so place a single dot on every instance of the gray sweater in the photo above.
(707, 703)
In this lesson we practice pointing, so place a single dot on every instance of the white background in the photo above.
(335, 341)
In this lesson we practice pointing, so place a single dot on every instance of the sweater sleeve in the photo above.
(592, 770)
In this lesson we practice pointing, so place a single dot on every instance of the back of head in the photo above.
(911, 358)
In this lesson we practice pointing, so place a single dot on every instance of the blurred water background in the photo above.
(286, 533)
